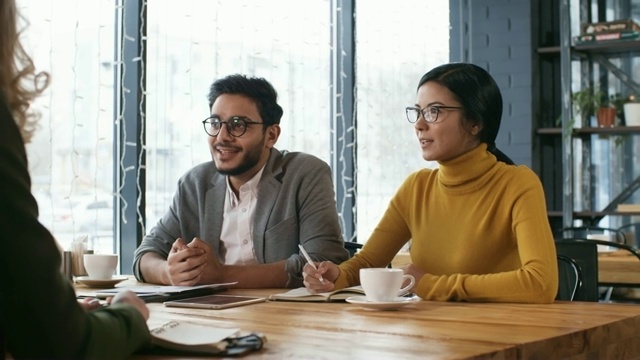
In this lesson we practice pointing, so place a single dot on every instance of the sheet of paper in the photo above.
(160, 289)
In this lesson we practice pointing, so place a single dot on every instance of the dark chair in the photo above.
(585, 255)
(595, 233)
(631, 233)
(570, 278)
(595, 242)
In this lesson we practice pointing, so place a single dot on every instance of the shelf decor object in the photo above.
(589, 102)
(608, 27)
(617, 30)
(632, 111)
(606, 116)
(628, 207)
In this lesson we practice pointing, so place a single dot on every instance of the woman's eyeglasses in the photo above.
(430, 113)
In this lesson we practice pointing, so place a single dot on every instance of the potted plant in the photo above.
(584, 102)
(590, 101)
(610, 107)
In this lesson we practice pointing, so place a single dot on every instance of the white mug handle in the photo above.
(405, 289)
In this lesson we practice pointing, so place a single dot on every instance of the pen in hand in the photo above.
(306, 256)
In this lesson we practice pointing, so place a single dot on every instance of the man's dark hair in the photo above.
(257, 89)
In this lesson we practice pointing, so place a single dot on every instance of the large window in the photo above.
(71, 155)
(191, 43)
(393, 50)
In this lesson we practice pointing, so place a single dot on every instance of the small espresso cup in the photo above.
(384, 284)
(100, 266)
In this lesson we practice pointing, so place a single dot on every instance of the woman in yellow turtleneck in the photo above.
(478, 224)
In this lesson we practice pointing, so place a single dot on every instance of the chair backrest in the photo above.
(632, 233)
(611, 234)
(585, 255)
(617, 246)
(570, 276)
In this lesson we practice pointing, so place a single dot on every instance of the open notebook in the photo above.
(180, 337)
(302, 294)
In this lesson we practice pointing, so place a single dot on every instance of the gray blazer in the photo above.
(296, 205)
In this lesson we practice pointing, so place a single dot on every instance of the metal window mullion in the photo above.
(343, 110)
(129, 165)
(565, 86)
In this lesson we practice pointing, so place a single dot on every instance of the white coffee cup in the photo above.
(383, 284)
(100, 266)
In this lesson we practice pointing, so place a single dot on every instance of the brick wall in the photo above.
(497, 35)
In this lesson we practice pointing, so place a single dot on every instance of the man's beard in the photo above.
(249, 160)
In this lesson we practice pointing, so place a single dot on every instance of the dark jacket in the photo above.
(296, 205)
(39, 314)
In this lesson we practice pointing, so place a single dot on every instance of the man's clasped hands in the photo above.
(193, 263)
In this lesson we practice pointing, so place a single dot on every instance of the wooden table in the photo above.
(426, 330)
(619, 267)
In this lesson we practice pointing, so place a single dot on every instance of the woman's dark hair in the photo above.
(257, 89)
(479, 95)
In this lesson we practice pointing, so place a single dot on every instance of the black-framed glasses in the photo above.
(236, 125)
(430, 113)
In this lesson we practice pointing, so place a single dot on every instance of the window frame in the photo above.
(129, 172)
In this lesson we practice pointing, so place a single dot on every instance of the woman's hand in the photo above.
(90, 303)
(321, 280)
(129, 297)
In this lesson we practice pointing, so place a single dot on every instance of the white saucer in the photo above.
(94, 283)
(382, 305)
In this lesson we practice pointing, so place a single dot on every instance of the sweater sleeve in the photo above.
(116, 324)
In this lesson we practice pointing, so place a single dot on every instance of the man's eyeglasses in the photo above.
(236, 125)
(430, 113)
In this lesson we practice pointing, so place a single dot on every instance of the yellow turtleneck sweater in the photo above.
(478, 228)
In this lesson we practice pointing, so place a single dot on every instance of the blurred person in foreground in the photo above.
(39, 314)
(240, 217)
(478, 224)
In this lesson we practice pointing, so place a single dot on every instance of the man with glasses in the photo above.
(241, 216)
